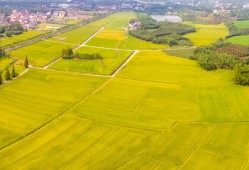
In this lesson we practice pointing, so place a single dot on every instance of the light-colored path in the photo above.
(81, 45)
(84, 43)
(126, 61)
(61, 42)
(47, 66)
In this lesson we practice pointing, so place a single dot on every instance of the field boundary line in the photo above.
(148, 81)
(59, 42)
(107, 48)
(86, 41)
(48, 122)
(197, 146)
(124, 63)
(142, 152)
(79, 46)
(246, 161)
(118, 124)
(91, 147)
(145, 92)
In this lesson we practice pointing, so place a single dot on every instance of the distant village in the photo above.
(30, 20)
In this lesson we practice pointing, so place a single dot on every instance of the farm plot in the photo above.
(242, 24)
(120, 20)
(40, 53)
(120, 39)
(124, 109)
(102, 139)
(240, 40)
(112, 59)
(207, 34)
(9, 63)
(39, 96)
(17, 38)
(76, 36)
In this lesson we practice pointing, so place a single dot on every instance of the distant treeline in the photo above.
(162, 32)
(13, 29)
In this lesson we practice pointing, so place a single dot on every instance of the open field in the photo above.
(159, 112)
(206, 34)
(242, 24)
(240, 40)
(40, 53)
(25, 98)
(21, 37)
(119, 41)
(111, 60)
(172, 116)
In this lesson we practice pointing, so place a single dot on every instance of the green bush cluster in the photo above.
(162, 32)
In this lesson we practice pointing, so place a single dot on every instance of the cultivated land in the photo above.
(16, 38)
(240, 40)
(111, 60)
(206, 34)
(158, 112)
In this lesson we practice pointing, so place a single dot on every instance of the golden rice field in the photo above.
(172, 116)
(158, 112)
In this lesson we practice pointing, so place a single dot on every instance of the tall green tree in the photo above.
(237, 74)
(26, 62)
(70, 53)
(13, 73)
(1, 79)
(7, 74)
(63, 53)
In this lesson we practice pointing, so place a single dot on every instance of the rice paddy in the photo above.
(159, 112)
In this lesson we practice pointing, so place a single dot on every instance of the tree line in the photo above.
(69, 54)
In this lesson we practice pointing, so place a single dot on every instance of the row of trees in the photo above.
(13, 74)
(162, 32)
(69, 54)
(8, 75)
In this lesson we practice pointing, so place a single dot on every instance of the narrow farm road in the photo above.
(81, 45)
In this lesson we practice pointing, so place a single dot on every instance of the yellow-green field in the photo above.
(121, 39)
(240, 40)
(111, 60)
(158, 112)
(161, 112)
(206, 34)
(16, 38)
